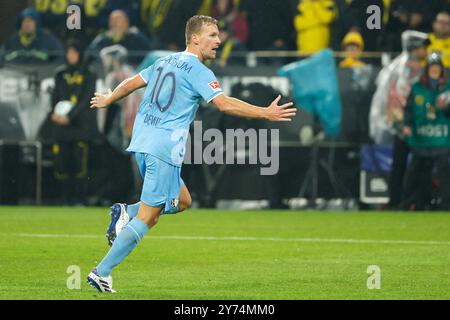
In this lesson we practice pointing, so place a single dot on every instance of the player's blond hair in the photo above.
(195, 24)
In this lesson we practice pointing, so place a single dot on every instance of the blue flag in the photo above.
(315, 88)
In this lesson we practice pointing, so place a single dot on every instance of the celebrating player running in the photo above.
(174, 87)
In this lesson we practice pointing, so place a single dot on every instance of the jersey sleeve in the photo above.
(206, 85)
(146, 73)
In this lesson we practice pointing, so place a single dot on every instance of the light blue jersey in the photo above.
(175, 86)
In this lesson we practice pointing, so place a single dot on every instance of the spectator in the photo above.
(74, 124)
(54, 16)
(352, 16)
(353, 45)
(386, 115)
(270, 25)
(440, 37)
(165, 20)
(408, 15)
(313, 24)
(120, 33)
(228, 12)
(30, 44)
(228, 45)
(427, 125)
(130, 7)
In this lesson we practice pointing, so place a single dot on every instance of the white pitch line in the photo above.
(212, 238)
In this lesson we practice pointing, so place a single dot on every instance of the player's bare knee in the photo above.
(185, 204)
(154, 220)
(151, 221)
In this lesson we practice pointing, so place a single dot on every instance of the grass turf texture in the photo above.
(213, 254)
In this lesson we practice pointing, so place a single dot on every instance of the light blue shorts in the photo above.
(162, 182)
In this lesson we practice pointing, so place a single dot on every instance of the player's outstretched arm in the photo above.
(239, 108)
(126, 87)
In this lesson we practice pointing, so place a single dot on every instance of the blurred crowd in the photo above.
(409, 109)
(246, 25)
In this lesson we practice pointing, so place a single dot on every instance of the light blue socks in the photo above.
(125, 242)
(132, 209)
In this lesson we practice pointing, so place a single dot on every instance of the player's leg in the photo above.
(125, 242)
(185, 199)
(130, 236)
(148, 214)
(161, 181)
(184, 202)
(177, 197)
(122, 213)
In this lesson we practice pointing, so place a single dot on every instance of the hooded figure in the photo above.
(72, 124)
(30, 44)
(393, 86)
(74, 83)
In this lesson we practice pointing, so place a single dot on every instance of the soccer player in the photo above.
(174, 86)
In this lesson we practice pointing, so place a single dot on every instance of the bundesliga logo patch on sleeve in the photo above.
(215, 86)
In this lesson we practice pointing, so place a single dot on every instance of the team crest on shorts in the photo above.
(174, 203)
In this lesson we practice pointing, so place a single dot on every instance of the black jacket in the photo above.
(75, 84)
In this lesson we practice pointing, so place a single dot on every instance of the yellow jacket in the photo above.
(312, 24)
(442, 46)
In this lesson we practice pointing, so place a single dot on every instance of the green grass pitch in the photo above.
(216, 254)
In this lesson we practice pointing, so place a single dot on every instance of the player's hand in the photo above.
(280, 113)
(101, 100)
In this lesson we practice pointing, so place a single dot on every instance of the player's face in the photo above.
(209, 41)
